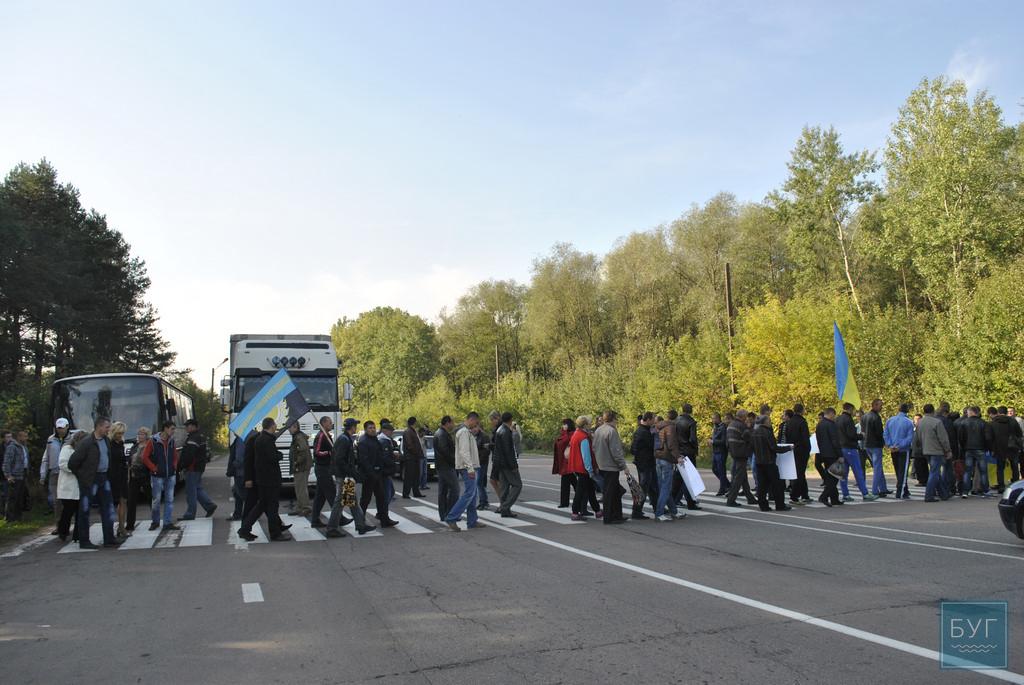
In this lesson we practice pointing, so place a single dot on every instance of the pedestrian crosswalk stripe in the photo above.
(95, 533)
(142, 538)
(238, 542)
(303, 531)
(428, 513)
(198, 533)
(407, 526)
(495, 517)
(545, 516)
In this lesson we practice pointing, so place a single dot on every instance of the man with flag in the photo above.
(846, 388)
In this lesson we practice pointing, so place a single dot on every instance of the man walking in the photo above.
(90, 463)
(611, 460)
(830, 450)
(444, 461)
(412, 455)
(974, 436)
(873, 432)
(719, 450)
(374, 467)
(49, 466)
(737, 437)
(1006, 441)
(194, 457)
(898, 437)
(769, 485)
(642, 449)
(160, 457)
(15, 468)
(301, 460)
(935, 447)
(799, 435)
(345, 468)
(236, 472)
(323, 451)
(268, 487)
(849, 441)
(467, 467)
(507, 465)
(686, 434)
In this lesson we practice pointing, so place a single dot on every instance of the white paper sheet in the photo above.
(787, 465)
(690, 476)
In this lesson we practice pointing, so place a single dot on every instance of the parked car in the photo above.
(1011, 509)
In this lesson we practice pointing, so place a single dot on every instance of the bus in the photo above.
(137, 399)
(313, 366)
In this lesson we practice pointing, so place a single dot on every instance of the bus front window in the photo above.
(135, 401)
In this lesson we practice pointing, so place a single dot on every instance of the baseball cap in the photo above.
(62, 423)
(350, 422)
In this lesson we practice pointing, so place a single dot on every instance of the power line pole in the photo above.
(729, 314)
(496, 377)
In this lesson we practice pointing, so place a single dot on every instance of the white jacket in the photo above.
(467, 455)
(67, 483)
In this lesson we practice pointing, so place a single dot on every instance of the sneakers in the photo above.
(663, 517)
(577, 517)
(453, 527)
(847, 498)
(869, 497)
(964, 496)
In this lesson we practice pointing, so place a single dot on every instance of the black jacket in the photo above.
(737, 436)
(871, 428)
(848, 438)
(343, 462)
(954, 441)
(249, 460)
(799, 435)
(194, 454)
(267, 460)
(85, 461)
(827, 433)
(117, 471)
(504, 449)
(444, 449)
(719, 445)
(370, 455)
(765, 447)
(1005, 431)
(974, 435)
(642, 448)
(686, 434)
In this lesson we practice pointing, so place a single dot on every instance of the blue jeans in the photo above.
(718, 468)
(852, 457)
(194, 493)
(467, 500)
(165, 487)
(936, 486)
(665, 473)
(972, 458)
(99, 492)
(878, 477)
(481, 486)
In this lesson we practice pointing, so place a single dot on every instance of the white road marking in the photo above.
(905, 532)
(238, 542)
(30, 544)
(495, 517)
(251, 592)
(198, 533)
(141, 538)
(408, 527)
(944, 548)
(898, 645)
(428, 513)
(95, 533)
(562, 519)
(302, 530)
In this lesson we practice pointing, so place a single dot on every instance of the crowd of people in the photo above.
(946, 452)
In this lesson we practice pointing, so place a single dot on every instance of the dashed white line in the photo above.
(251, 592)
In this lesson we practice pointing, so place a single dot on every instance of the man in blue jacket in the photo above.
(897, 435)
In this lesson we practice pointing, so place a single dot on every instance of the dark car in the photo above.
(1011, 509)
(428, 450)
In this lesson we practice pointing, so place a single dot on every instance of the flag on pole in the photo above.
(846, 387)
(279, 399)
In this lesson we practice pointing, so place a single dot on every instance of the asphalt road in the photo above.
(843, 595)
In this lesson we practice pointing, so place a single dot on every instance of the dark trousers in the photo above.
(769, 485)
(447, 490)
(798, 488)
(819, 466)
(611, 497)
(584, 493)
(899, 464)
(740, 484)
(831, 490)
(16, 494)
(325, 490)
(135, 494)
(921, 470)
(410, 477)
(680, 491)
(252, 497)
(373, 486)
(238, 492)
(268, 501)
(649, 484)
(568, 480)
(69, 507)
(511, 486)
(1001, 463)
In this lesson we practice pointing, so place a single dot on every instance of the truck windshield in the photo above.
(135, 401)
(320, 392)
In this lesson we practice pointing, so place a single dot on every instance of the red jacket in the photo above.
(575, 463)
(560, 465)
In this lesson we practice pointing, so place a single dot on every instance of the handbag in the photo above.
(838, 468)
(634, 488)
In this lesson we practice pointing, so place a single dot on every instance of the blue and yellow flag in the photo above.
(846, 387)
(279, 399)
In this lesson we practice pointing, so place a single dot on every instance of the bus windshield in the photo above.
(320, 392)
(133, 400)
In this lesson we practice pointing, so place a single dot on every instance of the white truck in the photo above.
(311, 362)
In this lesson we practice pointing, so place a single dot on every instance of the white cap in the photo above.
(62, 423)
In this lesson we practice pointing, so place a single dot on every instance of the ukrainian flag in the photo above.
(279, 399)
(846, 387)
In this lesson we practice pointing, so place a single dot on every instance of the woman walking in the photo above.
(67, 489)
(118, 473)
(137, 477)
(560, 465)
(581, 464)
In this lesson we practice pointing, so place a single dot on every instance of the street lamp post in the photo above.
(213, 372)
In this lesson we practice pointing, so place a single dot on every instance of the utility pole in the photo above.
(213, 372)
(496, 377)
(729, 314)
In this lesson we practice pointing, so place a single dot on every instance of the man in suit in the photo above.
(830, 451)
(267, 471)
(799, 435)
(412, 455)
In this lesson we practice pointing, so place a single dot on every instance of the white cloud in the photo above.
(972, 68)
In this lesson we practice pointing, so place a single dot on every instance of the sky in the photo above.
(281, 165)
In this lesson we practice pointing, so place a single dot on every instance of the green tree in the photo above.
(642, 287)
(953, 200)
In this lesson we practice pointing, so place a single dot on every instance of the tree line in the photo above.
(915, 252)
